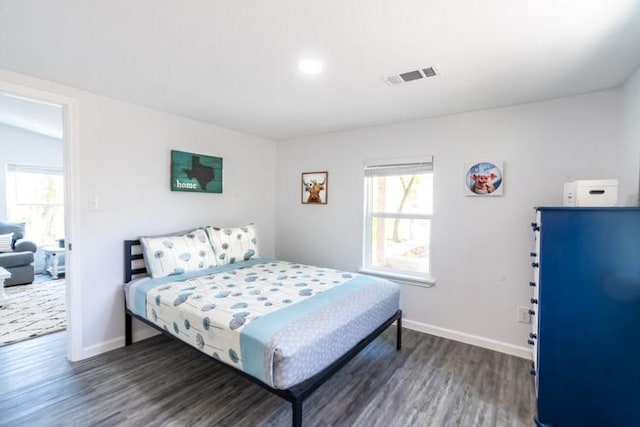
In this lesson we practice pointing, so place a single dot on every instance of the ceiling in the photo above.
(234, 63)
(34, 116)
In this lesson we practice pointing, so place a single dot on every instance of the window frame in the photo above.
(416, 166)
(12, 203)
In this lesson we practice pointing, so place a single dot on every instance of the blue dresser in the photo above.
(586, 316)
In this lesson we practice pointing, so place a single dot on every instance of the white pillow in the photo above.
(5, 242)
(233, 244)
(176, 254)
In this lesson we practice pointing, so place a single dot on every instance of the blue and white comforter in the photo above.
(280, 322)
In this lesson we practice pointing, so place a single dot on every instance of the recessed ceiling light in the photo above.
(310, 66)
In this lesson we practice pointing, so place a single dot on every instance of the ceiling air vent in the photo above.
(409, 76)
(429, 72)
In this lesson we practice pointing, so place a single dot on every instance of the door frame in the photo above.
(71, 210)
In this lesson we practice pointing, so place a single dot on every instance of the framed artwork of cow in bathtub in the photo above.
(315, 187)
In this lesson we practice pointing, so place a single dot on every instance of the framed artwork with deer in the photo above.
(315, 188)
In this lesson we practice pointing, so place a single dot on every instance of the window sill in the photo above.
(423, 282)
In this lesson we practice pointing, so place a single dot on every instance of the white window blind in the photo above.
(47, 170)
(397, 169)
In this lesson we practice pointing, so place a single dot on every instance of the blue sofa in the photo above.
(19, 262)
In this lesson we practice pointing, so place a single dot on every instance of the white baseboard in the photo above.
(103, 347)
(112, 344)
(502, 347)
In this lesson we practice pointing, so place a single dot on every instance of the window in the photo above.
(398, 209)
(35, 196)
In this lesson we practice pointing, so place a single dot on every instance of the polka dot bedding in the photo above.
(278, 321)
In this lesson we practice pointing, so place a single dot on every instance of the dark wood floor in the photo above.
(159, 382)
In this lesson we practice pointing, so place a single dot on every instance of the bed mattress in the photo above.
(278, 321)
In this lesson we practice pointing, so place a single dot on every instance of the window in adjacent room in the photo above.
(398, 210)
(35, 196)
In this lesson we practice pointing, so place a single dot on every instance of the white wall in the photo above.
(24, 147)
(480, 246)
(630, 142)
(123, 158)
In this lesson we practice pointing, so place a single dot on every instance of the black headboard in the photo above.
(132, 253)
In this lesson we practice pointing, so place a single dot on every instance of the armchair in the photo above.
(19, 262)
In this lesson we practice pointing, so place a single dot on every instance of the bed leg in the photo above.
(399, 331)
(296, 407)
(128, 329)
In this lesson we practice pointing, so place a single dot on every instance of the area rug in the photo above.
(33, 310)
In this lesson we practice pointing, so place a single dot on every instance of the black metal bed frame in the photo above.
(295, 395)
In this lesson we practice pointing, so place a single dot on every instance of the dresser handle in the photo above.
(535, 265)
(535, 226)
(534, 301)
(531, 312)
(532, 335)
(533, 372)
(533, 284)
(533, 254)
(531, 342)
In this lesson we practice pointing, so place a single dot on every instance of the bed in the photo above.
(285, 326)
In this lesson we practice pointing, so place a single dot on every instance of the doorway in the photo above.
(48, 211)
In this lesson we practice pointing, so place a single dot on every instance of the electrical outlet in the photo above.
(523, 315)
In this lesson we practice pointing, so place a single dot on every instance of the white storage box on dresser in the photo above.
(586, 316)
(597, 192)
